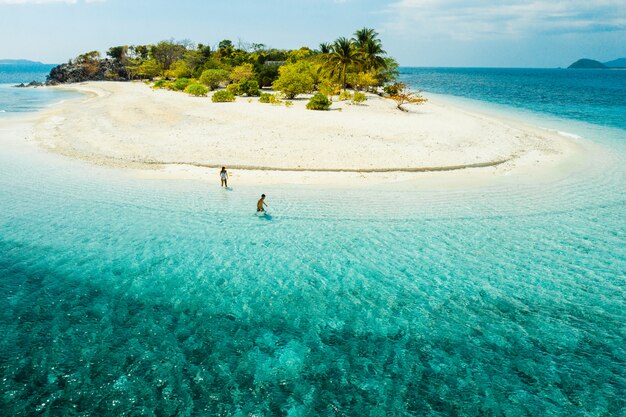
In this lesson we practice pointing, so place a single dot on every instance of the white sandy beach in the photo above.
(168, 134)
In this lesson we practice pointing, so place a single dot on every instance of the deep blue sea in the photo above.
(122, 296)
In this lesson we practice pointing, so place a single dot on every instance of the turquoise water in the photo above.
(593, 96)
(19, 100)
(123, 296)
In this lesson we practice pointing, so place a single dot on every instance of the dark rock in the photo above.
(77, 72)
(30, 84)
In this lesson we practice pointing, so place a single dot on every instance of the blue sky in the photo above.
(465, 33)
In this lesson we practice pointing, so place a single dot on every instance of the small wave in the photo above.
(569, 135)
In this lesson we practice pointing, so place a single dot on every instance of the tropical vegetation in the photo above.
(357, 63)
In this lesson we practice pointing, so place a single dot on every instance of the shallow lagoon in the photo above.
(124, 296)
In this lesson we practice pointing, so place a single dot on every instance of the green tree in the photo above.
(118, 53)
(149, 69)
(165, 53)
(179, 69)
(294, 79)
(212, 78)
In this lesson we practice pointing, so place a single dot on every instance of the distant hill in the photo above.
(19, 62)
(587, 64)
(616, 63)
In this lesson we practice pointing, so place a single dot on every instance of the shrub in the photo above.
(241, 72)
(394, 89)
(180, 84)
(160, 84)
(265, 97)
(318, 102)
(222, 96)
(249, 88)
(197, 90)
(345, 95)
(212, 78)
(275, 100)
(358, 98)
(233, 89)
(288, 103)
(294, 79)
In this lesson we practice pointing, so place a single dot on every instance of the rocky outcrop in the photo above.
(97, 70)
(30, 84)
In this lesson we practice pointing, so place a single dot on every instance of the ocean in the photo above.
(20, 100)
(123, 296)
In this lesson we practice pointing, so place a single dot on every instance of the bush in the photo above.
(233, 89)
(212, 78)
(222, 96)
(241, 72)
(180, 84)
(197, 90)
(288, 103)
(249, 88)
(359, 98)
(345, 95)
(275, 100)
(265, 97)
(318, 102)
(179, 69)
(294, 79)
(160, 84)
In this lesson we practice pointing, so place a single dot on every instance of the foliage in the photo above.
(319, 102)
(222, 96)
(362, 80)
(345, 95)
(118, 53)
(358, 98)
(197, 90)
(393, 89)
(343, 55)
(270, 98)
(288, 103)
(294, 79)
(241, 72)
(298, 55)
(329, 88)
(266, 74)
(149, 69)
(180, 84)
(389, 73)
(165, 53)
(179, 69)
(234, 89)
(212, 78)
(248, 87)
(401, 95)
(160, 84)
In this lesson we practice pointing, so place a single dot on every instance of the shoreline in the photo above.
(397, 147)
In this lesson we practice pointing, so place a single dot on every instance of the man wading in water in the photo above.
(261, 203)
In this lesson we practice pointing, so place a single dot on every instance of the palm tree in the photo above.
(342, 55)
(371, 48)
(362, 36)
(325, 48)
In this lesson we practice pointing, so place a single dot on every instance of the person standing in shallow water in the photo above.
(261, 203)
(224, 177)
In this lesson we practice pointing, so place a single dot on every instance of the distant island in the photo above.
(586, 63)
(21, 62)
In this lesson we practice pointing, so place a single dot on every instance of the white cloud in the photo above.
(47, 1)
(472, 19)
